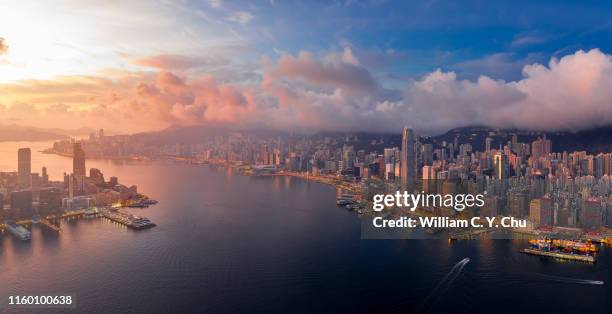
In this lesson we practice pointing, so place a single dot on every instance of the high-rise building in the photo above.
(21, 202)
(78, 169)
(24, 167)
(78, 160)
(408, 162)
(541, 147)
(429, 179)
(45, 176)
(488, 143)
(50, 201)
(591, 215)
(427, 154)
(501, 165)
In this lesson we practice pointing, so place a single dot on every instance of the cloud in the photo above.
(528, 39)
(329, 92)
(169, 62)
(334, 71)
(242, 17)
(3, 46)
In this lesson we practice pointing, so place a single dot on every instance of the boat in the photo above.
(18, 231)
(344, 202)
(141, 223)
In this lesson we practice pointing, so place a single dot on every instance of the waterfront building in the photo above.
(78, 202)
(591, 216)
(21, 203)
(50, 201)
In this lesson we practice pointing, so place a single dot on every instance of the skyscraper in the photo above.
(408, 162)
(427, 154)
(488, 142)
(541, 147)
(78, 169)
(78, 160)
(24, 167)
(501, 165)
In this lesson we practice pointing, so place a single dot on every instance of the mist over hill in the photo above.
(593, 141)
(9, 133)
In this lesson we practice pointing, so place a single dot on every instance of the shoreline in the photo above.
(245, 170)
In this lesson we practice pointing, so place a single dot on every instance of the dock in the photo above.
(131, 221)
(50, 225)
(574, 257)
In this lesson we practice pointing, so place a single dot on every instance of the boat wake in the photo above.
(442, 286)
(571, 280)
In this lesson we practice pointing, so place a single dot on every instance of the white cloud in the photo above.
(242, 17)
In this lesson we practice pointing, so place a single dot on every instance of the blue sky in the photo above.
(471, 37)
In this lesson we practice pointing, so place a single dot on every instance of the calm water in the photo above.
(227, 243)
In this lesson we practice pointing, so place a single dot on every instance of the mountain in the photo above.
(593, 141)
(25, 133)
(197, 134)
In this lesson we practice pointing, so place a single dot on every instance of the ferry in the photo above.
(149, 201)
(19, 231)
(345, 199)
(141, 223)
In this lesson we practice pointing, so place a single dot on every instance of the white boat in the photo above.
(19, 231)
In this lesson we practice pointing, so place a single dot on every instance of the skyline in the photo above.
(145, 66)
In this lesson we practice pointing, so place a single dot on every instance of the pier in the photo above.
(574, 257)
(50, 225)
(19, 230)
(128, 220)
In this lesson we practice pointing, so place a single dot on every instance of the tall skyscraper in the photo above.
(24, 167)
(78, 169)
(488, 142)
(408, 162)
(45, 176)
(78, 160)
(501, 165)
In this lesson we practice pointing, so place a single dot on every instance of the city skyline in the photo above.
(298, 156)
(227, 63)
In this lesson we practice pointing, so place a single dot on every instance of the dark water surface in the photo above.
(227, 244)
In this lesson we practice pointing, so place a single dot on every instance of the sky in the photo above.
(310, 66)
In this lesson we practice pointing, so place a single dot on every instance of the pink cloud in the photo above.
(334, 92)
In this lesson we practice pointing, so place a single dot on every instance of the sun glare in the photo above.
(40, 45)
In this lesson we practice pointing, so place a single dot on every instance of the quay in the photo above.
(128, 220)
(19, 230)
(574, 257)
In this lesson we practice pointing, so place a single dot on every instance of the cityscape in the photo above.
(28, 197)
(569, 192)
(274, 156)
